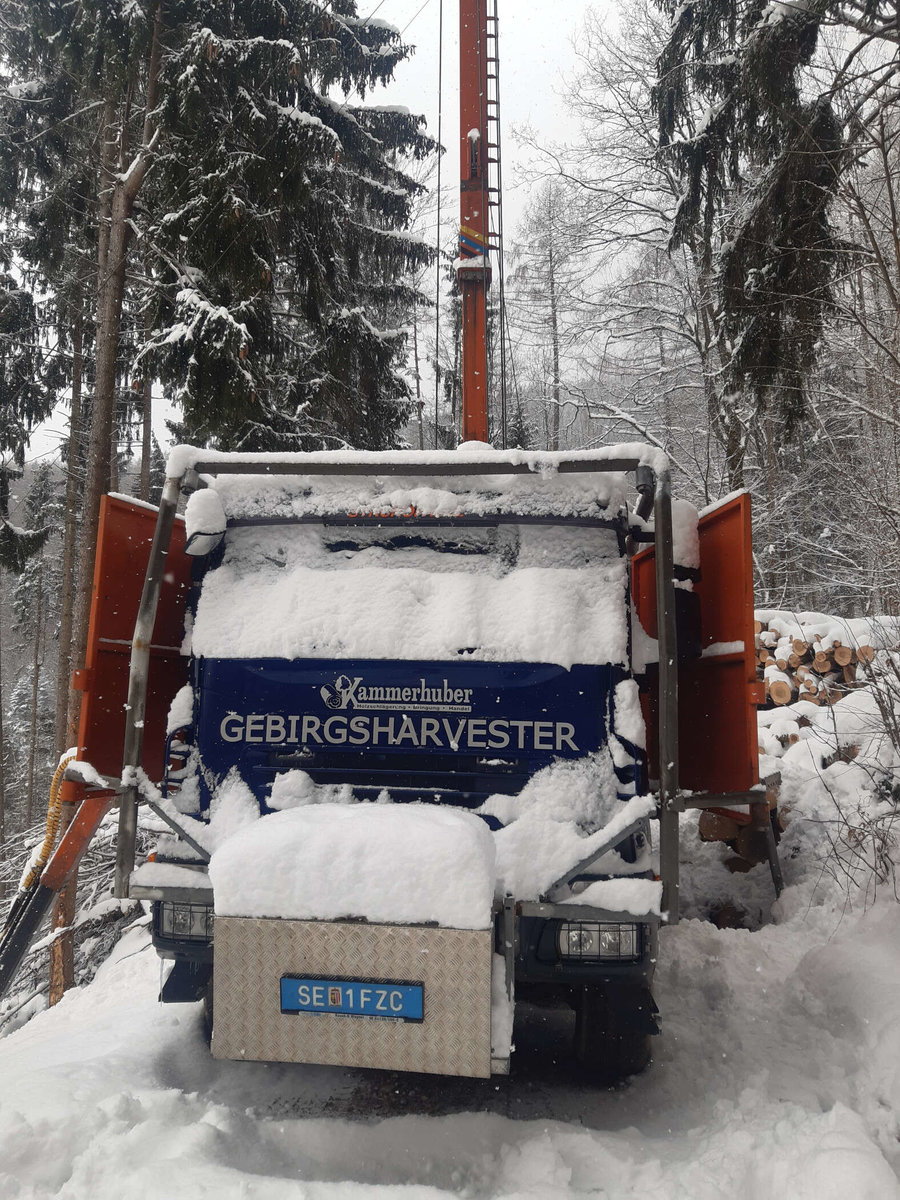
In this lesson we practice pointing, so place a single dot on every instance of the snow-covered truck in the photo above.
(404, 720)
(428, 713)
(407, 781)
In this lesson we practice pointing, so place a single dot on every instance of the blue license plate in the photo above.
(388, 999)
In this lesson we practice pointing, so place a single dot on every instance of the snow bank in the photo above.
(776, 1076)
(405, 864)
(835, 742)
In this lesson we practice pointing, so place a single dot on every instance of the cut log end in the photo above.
(780, 692)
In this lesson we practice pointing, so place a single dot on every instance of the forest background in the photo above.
(204, 205)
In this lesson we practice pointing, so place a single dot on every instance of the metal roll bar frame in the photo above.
(655, 489)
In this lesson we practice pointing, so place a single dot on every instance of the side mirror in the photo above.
(205, 522)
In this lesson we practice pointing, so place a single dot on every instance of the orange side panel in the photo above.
(717, 730)
(123, 549)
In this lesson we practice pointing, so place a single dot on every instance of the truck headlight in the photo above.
(187, 922)
(596, 940)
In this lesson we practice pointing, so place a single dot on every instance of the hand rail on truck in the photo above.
(585, 864)
(654, 485)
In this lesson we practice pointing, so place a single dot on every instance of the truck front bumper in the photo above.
(531, 938)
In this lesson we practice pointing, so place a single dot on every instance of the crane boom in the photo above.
(474, 271)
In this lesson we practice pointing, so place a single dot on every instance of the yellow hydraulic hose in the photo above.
(54, 811)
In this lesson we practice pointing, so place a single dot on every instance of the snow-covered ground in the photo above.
(777, 1072)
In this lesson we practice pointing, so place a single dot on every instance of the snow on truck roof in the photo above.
(489, 482)
(183, 458)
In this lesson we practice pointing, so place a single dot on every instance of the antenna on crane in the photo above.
(479, 129)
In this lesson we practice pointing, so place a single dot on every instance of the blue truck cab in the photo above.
(465, 640)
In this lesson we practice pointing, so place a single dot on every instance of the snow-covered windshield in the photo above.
(505, 592)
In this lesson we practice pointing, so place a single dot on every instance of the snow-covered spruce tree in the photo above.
(195, 166)
(71, 110)
(759, 158)
(49, 169)
(23, 403)
(23, 557)
(36, 590)
(275, 217)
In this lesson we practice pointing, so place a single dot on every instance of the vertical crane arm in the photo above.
(474, 271)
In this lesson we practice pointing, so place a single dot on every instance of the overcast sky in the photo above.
(536, 55)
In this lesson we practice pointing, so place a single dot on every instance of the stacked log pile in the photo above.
(818, 659)
(812, 658)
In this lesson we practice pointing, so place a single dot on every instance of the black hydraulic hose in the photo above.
(18, 934)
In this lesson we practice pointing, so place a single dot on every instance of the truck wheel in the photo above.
(607, 1045)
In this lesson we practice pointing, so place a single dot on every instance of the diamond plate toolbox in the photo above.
(453, 965)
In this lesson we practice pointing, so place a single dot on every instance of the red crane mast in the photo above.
(474, 270)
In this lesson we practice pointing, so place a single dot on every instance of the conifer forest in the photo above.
(211, 210)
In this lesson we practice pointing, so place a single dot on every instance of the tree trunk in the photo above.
(2, 748)
(87, 535)
(35, 691)
(420, 405)
(554, 339)
(146, 436)
(114, 448)
(98, 460)
(109, 318)
(65, 702)
(111, 262)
